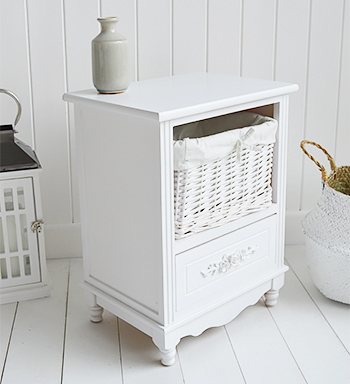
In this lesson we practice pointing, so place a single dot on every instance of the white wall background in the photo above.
(45, 51)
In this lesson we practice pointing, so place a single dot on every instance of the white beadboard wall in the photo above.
(45, 51)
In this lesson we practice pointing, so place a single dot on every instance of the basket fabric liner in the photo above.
(223, 169)
(208, 140)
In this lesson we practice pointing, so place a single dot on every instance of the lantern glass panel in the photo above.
(15, 271)
(26, 261)
(2, 244)
(8, 195)
(3, 268)
(12, 233)
(24, 232)
(20, 196)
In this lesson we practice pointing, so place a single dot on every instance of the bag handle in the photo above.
(321, 167)
(14, 96)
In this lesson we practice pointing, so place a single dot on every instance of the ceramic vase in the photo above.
(110, 58)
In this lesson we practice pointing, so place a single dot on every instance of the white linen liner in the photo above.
(209, 140)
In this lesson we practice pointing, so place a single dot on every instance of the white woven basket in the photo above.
(221, 177)
(327, 237)
(327, 233)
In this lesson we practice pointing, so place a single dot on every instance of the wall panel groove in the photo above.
(48, 81)
(206, 34)
(240, 39)
(136, 24)
(292, 46)
(154, 39)
(99, 5)
(258, 39)
(306, 105)
(275, 41)
(171, 41)
(323, 83)
(30, 85)
(344, 68)
(172, 37)
(189, 36)
(342, 152)
(68, 127)
(224, 36)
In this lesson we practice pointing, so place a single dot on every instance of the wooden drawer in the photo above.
(225, 266)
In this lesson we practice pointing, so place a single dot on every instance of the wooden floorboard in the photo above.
(36, 349)
(140, 359)
(90, 348)
(336, 314)
(7, 316)
(317, 350)
(258, 343)
(209, 358)
(305, 338)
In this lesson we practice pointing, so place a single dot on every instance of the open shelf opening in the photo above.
(223, 169)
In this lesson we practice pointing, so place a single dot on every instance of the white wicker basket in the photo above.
(220, 177)
(327, 238)
(327, 234)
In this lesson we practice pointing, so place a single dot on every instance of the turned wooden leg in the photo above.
(96, 313)
(167, 356)
(271, 297)
(95, 310)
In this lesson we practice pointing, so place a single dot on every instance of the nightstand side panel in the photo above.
(120, 191)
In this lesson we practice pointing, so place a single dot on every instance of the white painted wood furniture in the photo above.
(22, 247)
(133, 266)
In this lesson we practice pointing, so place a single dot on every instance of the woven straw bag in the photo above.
(327, 232)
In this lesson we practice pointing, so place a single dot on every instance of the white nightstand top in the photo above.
(181, 95)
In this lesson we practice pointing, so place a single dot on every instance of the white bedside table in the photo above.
(133, 266)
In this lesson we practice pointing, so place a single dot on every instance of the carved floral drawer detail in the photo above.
(233, 260)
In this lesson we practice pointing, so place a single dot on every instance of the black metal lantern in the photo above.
(14, 154)
(22, 251)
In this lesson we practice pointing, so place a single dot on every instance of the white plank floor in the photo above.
(305, 338)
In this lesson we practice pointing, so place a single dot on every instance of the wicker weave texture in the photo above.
(327, 234)
(223, 190)
(329, 271)
(327, 231)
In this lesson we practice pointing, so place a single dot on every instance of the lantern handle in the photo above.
(18, 104)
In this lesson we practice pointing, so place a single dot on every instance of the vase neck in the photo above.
(108, 24)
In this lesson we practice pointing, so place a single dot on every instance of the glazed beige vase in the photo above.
(110, 58)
